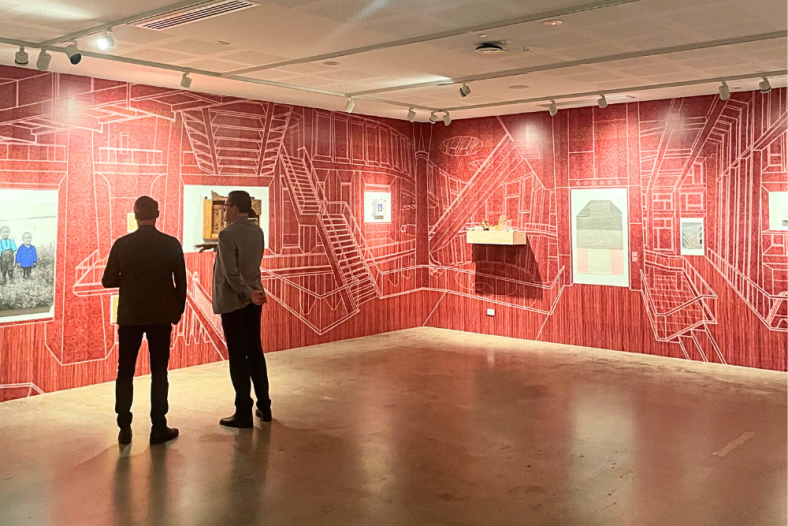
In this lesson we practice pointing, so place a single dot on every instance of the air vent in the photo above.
(201, 12)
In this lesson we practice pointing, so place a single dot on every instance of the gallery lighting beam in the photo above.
(765, 86)
(411, 115)
(186, 81)
(602, 102)
(553, 109)
(725, 91)
(350, 105)
(446, 118)
(74, 56)
(21, 58)
(43, 61)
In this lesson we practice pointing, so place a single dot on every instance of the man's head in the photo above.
(27, 238)
(238, 204)
(146, 211)
(5, 232)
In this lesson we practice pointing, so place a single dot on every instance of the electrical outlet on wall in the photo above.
(490, 312)
(634, 256)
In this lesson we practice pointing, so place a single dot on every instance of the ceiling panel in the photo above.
(281, 30)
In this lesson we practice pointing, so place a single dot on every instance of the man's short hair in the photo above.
(5, 228)
(146, 209)
(240, 199)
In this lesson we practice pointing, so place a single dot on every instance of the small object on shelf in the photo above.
(501, 222)
(495, 237)
(485, 225)
(213, 220)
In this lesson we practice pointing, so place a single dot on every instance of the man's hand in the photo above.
(258, 297)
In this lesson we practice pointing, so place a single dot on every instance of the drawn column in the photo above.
(422, 138)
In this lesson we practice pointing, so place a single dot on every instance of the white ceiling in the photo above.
(663, 42)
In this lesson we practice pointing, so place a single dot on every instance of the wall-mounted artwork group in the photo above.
(657, 227)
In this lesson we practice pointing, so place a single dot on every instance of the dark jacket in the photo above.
(144, 265)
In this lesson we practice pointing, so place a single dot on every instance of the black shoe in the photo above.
(237, 421)
(165, 434)
(124, 437)
(265, 416)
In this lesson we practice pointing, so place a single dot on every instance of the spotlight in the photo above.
(553, 109)
(21, 58)
(350, 105)
(765, 86)
(43, 61)
(602, 102)
(186, 81)
(447, 119)
(73, 53)
(433, 118)
(465, 90)
(725, 91)
(411, 115)
(105, 41)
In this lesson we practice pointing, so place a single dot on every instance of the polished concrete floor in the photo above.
(419, 427)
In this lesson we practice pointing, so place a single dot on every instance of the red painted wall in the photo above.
(697, 157)
(331, 276)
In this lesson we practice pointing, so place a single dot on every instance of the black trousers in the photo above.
(130, 339)
(242, 333)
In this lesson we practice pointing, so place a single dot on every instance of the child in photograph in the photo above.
(7, 250)
(26, 256)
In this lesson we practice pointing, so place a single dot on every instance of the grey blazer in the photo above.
(236, 270)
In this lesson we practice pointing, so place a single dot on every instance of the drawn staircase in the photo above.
(498, 166)
(334, 228)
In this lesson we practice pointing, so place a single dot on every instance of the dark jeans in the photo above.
(130, 339)
(26, 272)
(242, 333)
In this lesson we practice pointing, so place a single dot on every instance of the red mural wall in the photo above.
(331, 275)
(697, 157)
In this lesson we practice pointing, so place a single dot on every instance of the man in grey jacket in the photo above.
(238, 295)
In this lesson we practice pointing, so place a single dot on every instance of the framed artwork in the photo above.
(778, 210)
(28, 254)
(201, 199)
(113, 313)
(131, 223)
(377, 207)
(692, 236)
(600, 236)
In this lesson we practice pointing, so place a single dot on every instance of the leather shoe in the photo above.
(236, 421)
(265, 416)
(160, 436)
(124, 437)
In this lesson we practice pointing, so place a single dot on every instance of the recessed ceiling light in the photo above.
(331, 63)
(483, 35)
(527, 49)
(489, 49)
(552, 23)
(220, 43)
(518, 86)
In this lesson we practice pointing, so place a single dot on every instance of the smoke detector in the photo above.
(488, 48)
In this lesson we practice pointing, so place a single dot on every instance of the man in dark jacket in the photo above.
(149, 268)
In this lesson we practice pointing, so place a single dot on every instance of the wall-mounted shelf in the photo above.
(495, 237)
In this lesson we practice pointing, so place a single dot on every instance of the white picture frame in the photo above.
(579, 199)
(377, 207)
(692, 235)
(778, 210)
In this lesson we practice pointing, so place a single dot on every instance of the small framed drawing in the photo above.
(377, 207)
(692, 242)
(113, 310)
